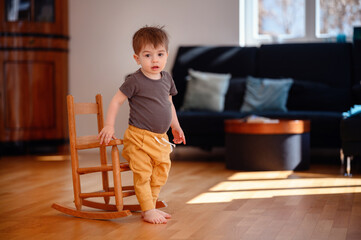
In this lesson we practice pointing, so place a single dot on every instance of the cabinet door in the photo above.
(33, 95)
(35, 17)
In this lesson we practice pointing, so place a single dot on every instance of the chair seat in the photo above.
(92, 141)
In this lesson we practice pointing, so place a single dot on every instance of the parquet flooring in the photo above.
(206, 201)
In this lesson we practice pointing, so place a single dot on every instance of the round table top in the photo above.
(281, 126)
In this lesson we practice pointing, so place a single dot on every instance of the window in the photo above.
(269, 21)
(335, 17)
(281, 18)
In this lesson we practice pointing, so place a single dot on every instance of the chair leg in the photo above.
(342, 159)
(342, 156)
(348, 166)
(76, 179)
(105, 179)
(117, 179)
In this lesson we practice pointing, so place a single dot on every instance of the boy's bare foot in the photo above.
(164, 214)
(154, 216)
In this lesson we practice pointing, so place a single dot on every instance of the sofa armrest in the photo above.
(356, 94)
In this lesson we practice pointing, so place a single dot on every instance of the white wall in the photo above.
(101, 32)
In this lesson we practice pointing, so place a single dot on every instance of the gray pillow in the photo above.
(205, 91)
(264, 94)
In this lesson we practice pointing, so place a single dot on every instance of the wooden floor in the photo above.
(206, 201)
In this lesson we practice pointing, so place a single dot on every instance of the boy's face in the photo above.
(152, 60)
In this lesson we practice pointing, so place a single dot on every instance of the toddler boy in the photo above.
(146, 147)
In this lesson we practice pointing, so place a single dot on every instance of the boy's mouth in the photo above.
(155, 68)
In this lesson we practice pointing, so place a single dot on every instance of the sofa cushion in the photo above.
(206, 91)
(235, 94)
(266, 94)
(306, 95)
(205, 122)
(327, 63)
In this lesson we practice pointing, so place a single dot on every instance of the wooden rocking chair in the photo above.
(109, 211)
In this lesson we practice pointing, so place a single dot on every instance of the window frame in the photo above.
(248, 26)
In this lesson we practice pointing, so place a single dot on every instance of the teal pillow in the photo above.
(263, 94)
(205, 91)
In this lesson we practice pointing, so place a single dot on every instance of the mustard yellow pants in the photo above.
(148, 155)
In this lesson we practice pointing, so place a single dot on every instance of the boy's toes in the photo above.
(153, 216)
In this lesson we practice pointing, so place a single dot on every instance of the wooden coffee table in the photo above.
(283, 145)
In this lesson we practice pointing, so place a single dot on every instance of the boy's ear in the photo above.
(136, 58)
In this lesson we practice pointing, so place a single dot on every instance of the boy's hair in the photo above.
(150, 35)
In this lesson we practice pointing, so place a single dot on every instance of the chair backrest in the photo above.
(84, 108)
(91, 141)
(85, 142)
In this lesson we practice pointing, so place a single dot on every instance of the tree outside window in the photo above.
(299, 20)
(338, 16)
(281, 18)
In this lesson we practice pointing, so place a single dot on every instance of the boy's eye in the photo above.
(147, 55)
(160, 54)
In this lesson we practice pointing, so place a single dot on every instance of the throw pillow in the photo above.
(205, 91)
(263, 94)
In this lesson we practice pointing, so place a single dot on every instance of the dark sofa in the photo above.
(321, 91)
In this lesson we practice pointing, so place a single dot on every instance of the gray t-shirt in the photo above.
(149, 103)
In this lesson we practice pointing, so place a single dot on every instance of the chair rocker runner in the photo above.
(109, 211)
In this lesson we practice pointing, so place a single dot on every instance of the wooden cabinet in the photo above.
(33, 71)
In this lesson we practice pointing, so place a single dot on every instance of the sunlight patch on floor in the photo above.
(260, 175)
(274, 184)
(286, 184)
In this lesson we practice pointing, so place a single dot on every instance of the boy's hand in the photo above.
(106, 134)
(178, 136)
